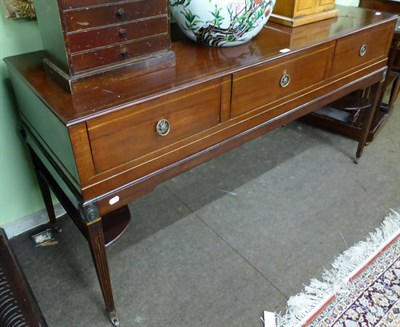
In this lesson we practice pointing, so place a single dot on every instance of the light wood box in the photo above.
(300, 12)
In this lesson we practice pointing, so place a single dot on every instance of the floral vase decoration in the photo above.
(221, 22)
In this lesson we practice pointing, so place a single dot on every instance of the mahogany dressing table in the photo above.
(118, 136)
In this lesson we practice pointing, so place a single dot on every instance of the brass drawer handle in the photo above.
(122, 33)
(163, 127)
(285, 80)
(124, 53)
(363, 50)
(120, 13)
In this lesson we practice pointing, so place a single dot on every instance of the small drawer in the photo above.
(71, 4)
(86, 18)
(118, 53)
(264, 84)
(141, 129)
(99, 37)
(359, 48)
(330, 3)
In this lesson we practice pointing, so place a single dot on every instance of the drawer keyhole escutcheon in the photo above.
(363, 50)
(285, 80)
(163, 127)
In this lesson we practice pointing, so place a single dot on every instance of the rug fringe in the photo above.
(302, 306)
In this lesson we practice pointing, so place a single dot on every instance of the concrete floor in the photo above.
(221, 243)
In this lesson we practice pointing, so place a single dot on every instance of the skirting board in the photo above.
(31, 221)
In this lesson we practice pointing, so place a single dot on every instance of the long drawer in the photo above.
(141, 129)
(283, 78)
(360, 48)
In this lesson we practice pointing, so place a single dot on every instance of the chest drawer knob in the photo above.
(285, 80)
(163, 127)
(363, 50)
(120, 13)
(122, 33)
(124, 53)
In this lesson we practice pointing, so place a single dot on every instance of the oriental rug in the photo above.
(361, 289)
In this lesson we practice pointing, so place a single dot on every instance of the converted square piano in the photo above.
(102, 137)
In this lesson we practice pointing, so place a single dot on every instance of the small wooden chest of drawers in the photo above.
(96, 36)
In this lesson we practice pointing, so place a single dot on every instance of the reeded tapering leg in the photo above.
(89, 223)
(375, 91)
(95, 238)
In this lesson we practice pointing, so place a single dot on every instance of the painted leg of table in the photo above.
(95, 238)
(375, 92)
(46, 195)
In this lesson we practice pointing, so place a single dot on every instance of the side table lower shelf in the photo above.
(115, 224)
(351, 130)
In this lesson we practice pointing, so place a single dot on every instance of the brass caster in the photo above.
(114, 319)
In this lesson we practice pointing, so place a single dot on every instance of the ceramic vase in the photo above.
(221, 22)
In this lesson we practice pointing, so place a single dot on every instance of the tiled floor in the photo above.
(221, 243)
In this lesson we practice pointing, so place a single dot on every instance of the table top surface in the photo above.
(194, 64)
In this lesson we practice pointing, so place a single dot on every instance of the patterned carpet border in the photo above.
(361, 289)
(371, 298)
